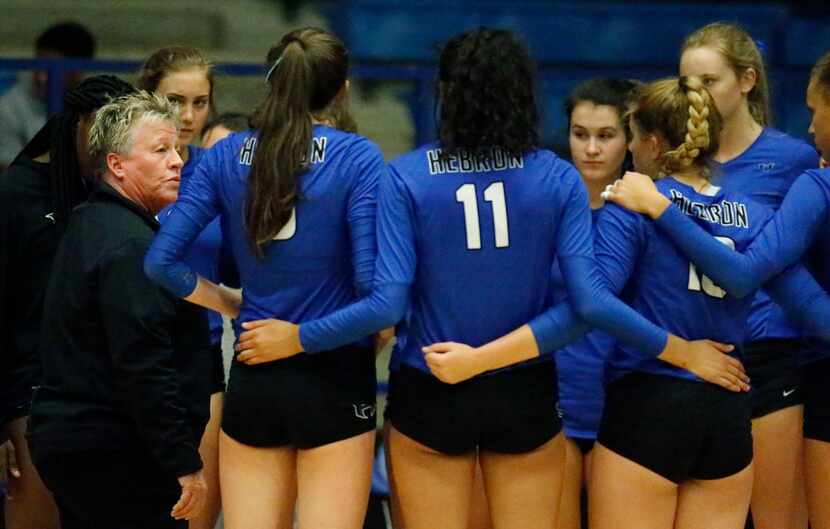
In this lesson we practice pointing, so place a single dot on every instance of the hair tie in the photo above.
(271, 69)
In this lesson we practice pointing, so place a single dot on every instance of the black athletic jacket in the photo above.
(28, 241)
(125, 364)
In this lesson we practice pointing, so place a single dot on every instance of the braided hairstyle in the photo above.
(681, 111)
(486, 94)
(59, 138)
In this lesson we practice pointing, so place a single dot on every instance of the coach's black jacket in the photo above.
(28, 240)
(126, 366)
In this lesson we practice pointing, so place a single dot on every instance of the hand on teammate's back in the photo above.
(192, 500)
(268, 340)
(452, 362)
(708, 360)
(8, 462)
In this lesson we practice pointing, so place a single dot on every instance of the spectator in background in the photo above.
(222, 126)
(37, 192)
(23, 108)
(138, 372)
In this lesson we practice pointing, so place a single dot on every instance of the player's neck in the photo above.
(595, 189)
(739, 132)
(692, 177)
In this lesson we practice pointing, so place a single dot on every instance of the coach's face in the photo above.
(149, 174)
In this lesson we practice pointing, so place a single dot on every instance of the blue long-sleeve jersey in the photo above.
(580, 367)
(798, 230)
(203, 254)
(660, 282)
(765, 172)
(321, 259)
(465, 250)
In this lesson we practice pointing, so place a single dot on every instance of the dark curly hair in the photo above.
(486, 94)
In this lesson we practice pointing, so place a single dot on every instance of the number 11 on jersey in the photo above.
(494, 194)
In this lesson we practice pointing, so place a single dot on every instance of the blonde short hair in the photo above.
(111, 131)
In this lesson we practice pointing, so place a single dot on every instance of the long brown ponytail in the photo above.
(307, 69)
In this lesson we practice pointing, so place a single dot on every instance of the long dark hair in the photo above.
(68, 186)
(307, 69)
(486, 93)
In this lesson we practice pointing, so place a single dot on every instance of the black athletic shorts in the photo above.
(678, 428)
(510, 412)
(218, 381)
(774, 373)
(817, 400)
(305, 401)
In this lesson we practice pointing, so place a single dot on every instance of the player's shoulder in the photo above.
(787, 147)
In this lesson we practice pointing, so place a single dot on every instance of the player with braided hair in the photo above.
(653, 466)
(798, 230)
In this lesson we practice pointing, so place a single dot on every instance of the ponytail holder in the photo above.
(271, 69)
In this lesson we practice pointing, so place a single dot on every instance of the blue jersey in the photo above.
(465, 250)
(798, 230)
(318, 262)
(765, 172)
(657, 280)
(204, 253)
(581, 371)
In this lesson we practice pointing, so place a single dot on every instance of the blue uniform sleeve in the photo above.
(589, 291)
(196, 206)
(367, 165)
(394, 273)
(783, 241)
(803, 299)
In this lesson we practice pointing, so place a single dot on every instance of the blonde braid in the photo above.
(698, 138)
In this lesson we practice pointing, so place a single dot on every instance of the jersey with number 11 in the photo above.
(475, 237)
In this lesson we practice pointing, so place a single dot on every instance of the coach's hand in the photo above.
(192, 500)
(709, 361)
(453, 362)
(637, 192)
(268, 340)
(8, 462)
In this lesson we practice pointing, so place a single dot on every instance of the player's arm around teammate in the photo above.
(447, 263)
(598, 140)
(799, 226)
(183, 75)
(703, 464)
(297, 202)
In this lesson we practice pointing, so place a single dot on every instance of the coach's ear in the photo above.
(115, 164)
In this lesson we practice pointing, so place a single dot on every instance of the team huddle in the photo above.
(647, 324)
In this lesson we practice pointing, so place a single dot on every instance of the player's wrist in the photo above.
(657, 205)
(675, 352)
